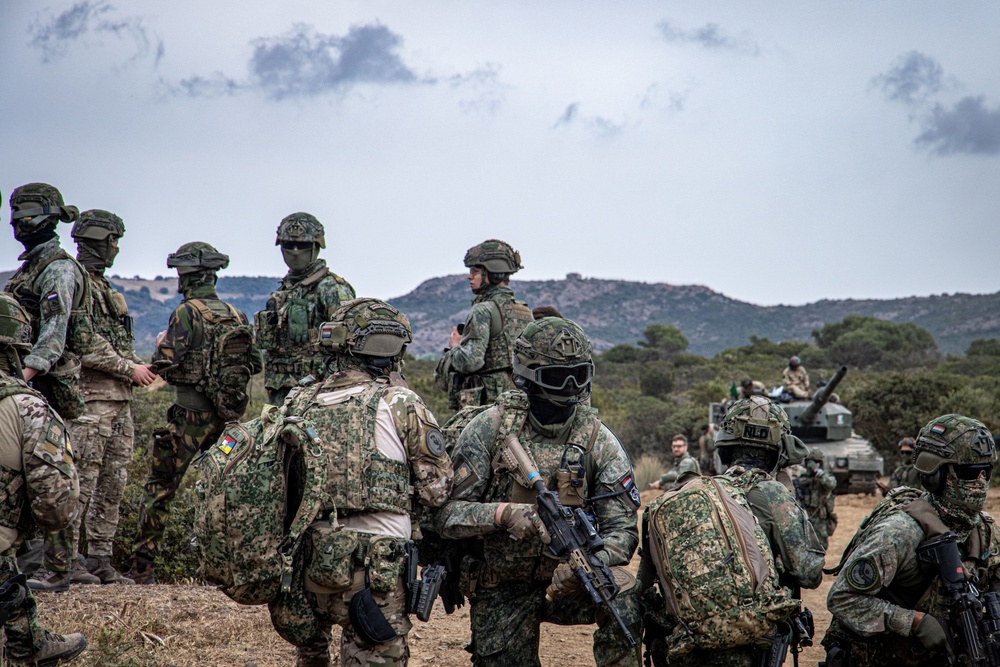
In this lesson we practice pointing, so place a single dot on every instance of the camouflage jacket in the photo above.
(108, 366)
(36, 464)
(51, 286)
(287, 329)
(905, 475)
(687, 463)
(479, 488)
(798, 553)
(382, 445)
(816, 491)
(881, 584)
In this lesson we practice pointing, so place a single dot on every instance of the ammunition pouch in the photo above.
(331, 559)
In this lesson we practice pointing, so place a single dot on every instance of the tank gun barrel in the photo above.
(821, 397)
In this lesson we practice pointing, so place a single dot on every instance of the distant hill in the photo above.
(611, 311)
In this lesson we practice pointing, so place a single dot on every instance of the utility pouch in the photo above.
(331, 564)
(571, 478)
(61, 386)
(367, 618)
(265, 322)
(385, 562)
(298, 321)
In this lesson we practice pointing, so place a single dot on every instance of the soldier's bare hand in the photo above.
(456, 338)
(29, 373)
(159, 338)
(143, 375)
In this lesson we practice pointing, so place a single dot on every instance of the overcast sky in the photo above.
(778, 152)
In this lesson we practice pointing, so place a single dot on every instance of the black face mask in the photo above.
(96, 255)
(547, 412)
(32, 237)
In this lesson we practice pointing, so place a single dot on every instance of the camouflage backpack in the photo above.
(714, 567)
(261, 486)
(229, 361)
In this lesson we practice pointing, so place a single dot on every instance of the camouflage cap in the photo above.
(300, 228)
(366, 326)
(953, 439)
(197, 256)
(98, 225)
(756, 421)
(15, 327)
(495, 256)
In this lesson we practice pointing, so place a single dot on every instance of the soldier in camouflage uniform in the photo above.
(512, 585)
(684, 464)
(308, 296)
(814, 491)
(477, 361)
(887, 608)
(753, 435)
(385, 456)
(51, 286)
(103, 435)
(182, 357)
(41, 486)
(905, 474)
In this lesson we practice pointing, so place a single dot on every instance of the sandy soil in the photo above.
(196, 625)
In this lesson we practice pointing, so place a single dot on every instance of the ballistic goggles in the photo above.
(557, 378)
(970, 473)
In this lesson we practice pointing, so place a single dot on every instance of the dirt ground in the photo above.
(196, 625)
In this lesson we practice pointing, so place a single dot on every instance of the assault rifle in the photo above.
(795, 633)
(574, 539)
(973, 628)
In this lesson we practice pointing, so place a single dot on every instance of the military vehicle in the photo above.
(854, 461)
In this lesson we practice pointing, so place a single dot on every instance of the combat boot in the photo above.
(79, 573)
(47, 581)
(142, 570)
(55, 650)
(101, 567)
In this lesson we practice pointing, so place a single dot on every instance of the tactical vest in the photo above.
(359, 478)
(216, 315)
(508, 317)
(111, 321)
(22, 286)
(12, 493)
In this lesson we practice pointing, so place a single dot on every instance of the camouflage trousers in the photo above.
(188, 432)
(846, 649)
(102, 440)
(305, 616)
(734, 657)
(506, 624)
(22, 634)
(824, 529)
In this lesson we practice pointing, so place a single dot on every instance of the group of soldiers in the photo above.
(395, 477)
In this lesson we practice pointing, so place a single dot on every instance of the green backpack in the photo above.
(229, 361)
(714, 567)
(261, 487)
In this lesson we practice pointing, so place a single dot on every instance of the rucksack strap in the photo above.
(309, 509)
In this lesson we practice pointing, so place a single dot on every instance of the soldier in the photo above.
(51, 286)
(750, 388)
(814, 491)
(888, 605)
(40, 483)
(477, 361)
(183, 356)
(706, 448)
(385, 453)
(505, 574)
(308, 296)
(103, 434)
(905, 474)
(795, 378)
(753, 434)
(684, 464)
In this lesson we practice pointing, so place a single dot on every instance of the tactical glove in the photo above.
(522, 521)
(564, 583)
(932, 635)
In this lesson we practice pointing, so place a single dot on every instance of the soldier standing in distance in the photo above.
(385, 454)
(795, 379)
(905, 474)
(309, 294)
(182, 358)
(684, 464)
(706, 449)
(513, 587)
(477, 361)
(814, 490)
(103, 435)
(41, 484)
(890, 609)
(51, 286)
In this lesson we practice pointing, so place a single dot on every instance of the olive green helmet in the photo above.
(98, 225)
(197, 256)
(366, 326)
(754, 422)
(554, 354)
(495, 256)
(953, 439)
(15, 327)
(815, 454)
(50, 209)
(300, 228)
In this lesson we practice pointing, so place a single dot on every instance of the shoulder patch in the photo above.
(226, 443)
(862, 575)
(628, 484)
(51, 305)
(435, 442)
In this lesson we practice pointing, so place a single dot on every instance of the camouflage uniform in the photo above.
(881, 586)
(385, 454)
(814, 490)
(706, 448)
(192, 422)
(287, 328)
(510, 577)
(905, 475)
(686, 464)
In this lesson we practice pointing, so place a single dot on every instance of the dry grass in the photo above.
(648, 469)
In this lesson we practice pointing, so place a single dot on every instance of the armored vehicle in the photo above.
(854, 461)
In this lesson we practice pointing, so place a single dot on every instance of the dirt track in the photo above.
(196, 625)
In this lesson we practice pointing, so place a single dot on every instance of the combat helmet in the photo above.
(794, 361)
(300, 228)
(495, 256)
(367, 327)
(754, 423)
(963, 442)
(15, 327)
(98, 225)
(815, 454)
(197, 256)
(555, 356)
(50, 209)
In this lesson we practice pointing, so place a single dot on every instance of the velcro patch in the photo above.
(938, 429)
(435, 442)
(51, 304)
(633, 493)
(226, 444)
(862, 575)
